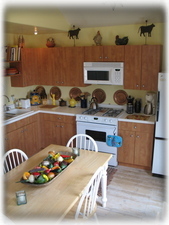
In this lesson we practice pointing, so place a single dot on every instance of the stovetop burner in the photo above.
(113, 112)
(106, 112)
(91, 111)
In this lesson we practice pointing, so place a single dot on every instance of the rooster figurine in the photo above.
(98, 38)
(121, 41)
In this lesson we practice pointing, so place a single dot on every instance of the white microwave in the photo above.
(103, 73)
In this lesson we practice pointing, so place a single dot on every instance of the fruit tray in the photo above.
(49, 169)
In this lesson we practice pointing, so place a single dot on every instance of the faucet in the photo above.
(4, 106)
(6, 97)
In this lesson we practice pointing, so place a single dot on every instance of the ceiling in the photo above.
(100, 16)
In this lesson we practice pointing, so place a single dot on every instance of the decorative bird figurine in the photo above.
(121, 41)
(98, 38)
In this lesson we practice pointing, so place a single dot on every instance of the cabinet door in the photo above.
(67, 131)
(132, 68)
(126, 152)
(73, 66)
(14, 139)
(30, 66)
(58, 73)
(31, 139)
(150, 66)
(46, 66)
(143, 149)
(93, 54)
(113, 53)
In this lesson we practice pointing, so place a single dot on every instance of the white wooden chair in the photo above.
(83, 141)
(13, 158)
(86, 206)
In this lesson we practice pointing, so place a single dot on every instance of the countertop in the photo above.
(65, 110)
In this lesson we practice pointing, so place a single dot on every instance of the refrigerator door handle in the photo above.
(158, 105)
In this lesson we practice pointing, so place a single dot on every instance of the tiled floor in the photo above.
(134, 195)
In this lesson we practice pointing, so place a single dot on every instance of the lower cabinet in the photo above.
(136, 150)
(24, 135)
(56, 129)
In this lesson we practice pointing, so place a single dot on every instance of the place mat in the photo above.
(99, 94)
(56, 91)
(120, 97)
(75, 93)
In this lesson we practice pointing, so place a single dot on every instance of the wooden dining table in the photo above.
(52, 201)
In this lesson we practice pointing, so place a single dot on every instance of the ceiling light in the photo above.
(35, 31)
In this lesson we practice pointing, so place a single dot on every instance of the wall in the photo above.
(86, 39)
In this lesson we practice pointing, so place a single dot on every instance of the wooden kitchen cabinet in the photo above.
(73, 58)
(136, 150)
(104, 53)
(30, 66)
(142, 65)
(56, 129)
(24, 135)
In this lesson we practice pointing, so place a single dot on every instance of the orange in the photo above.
(51, 175)
(26, 175)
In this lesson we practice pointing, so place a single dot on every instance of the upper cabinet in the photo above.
(29, 62)
(73, 58)
(104, 53)
(51, 66)
(63, 66)
(142, 65)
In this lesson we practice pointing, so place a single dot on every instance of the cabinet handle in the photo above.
(137, 136)
(131, 135)
(100, 57)
(135, 127)
(62, 126)
(136, 85)
(143, 85)
(106, 57)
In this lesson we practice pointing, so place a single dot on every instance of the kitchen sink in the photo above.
(15, 112)
(137, 117)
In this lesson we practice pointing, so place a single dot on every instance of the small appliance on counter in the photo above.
(62, 102)
(138, 105)
(93, 104)
(25, 103)
(149, 108)
(130, 104)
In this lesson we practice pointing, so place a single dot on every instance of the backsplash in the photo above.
(21, 92)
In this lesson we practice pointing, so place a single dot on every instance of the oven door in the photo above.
(99, 133)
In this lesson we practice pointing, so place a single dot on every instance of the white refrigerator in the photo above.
(160, 142)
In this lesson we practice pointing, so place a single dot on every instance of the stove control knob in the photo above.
(105, 120)
(81, 117)
(111, 121)
(85, 118)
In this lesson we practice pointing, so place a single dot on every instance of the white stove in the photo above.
(100, 115)
(99, 124)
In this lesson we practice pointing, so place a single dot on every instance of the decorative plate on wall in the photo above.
(99, 94)
(75, 93)
(56, 91)
(120, 97)
(41, 91)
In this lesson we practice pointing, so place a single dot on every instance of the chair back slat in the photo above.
(13, 158)
(87, 203)
(83, 141)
